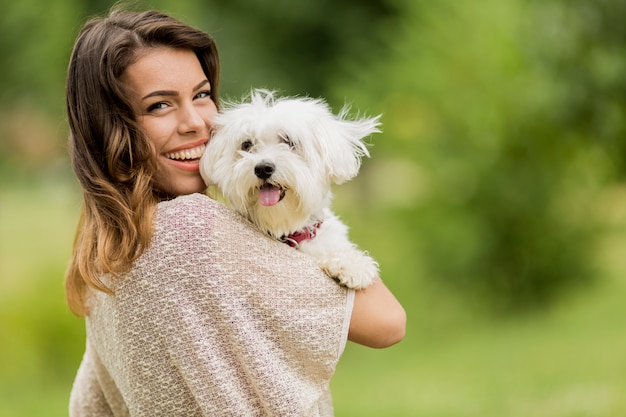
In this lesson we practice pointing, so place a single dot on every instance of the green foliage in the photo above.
(34, 45)
(293, 47)
(480, 102)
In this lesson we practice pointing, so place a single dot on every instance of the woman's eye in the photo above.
(204, 94)
(157, 106)
(246, 145)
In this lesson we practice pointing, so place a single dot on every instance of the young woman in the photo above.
(190, 311)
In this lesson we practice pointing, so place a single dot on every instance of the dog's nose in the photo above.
(264, 170)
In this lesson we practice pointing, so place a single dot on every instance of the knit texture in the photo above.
(214, 319)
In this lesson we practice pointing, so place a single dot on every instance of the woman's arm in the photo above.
(378, 319)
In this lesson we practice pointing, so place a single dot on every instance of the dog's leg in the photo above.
(353, 269)
(338, 257)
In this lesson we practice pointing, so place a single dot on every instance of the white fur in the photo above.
(309, 148)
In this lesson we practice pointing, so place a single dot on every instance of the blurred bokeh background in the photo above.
(494, 199)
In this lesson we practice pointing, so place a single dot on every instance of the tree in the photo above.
(506, 116)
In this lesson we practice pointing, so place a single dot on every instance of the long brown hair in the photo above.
(113, 160)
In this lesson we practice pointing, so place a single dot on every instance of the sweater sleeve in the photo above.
(216, 318)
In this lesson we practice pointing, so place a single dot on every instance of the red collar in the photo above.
(306, 233)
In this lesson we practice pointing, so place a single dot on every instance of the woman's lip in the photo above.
(189, 145)
(189, 165)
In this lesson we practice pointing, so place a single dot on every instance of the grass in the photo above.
(41, 341)
(565, 362)
(569, 362)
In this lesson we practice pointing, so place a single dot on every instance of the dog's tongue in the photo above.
(269, 195)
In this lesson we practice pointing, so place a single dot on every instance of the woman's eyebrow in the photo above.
(202, 84)
(160, 93)
(172, 92)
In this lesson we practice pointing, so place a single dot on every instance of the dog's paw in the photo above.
(357, 273)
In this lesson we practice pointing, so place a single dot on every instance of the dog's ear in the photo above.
(348, 146)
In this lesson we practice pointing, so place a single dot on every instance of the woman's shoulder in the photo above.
(192, 209)
(200, 217)
(189, 204)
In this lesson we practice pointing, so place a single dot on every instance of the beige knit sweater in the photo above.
(214, 319)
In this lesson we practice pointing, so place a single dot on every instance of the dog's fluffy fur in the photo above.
(275, 159)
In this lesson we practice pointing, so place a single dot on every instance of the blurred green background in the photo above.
(494, 199)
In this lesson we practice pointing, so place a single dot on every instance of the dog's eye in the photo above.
(246, 145)
(287, 140)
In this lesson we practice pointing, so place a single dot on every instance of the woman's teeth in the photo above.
(193, 153)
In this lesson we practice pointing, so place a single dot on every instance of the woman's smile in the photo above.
(186, 157)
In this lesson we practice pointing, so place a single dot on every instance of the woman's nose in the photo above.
(191, 121)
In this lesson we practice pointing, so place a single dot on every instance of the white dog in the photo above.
(275, 159)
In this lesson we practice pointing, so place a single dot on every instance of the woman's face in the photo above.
(171, 98)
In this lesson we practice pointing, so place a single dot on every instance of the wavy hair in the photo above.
(113, 159)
